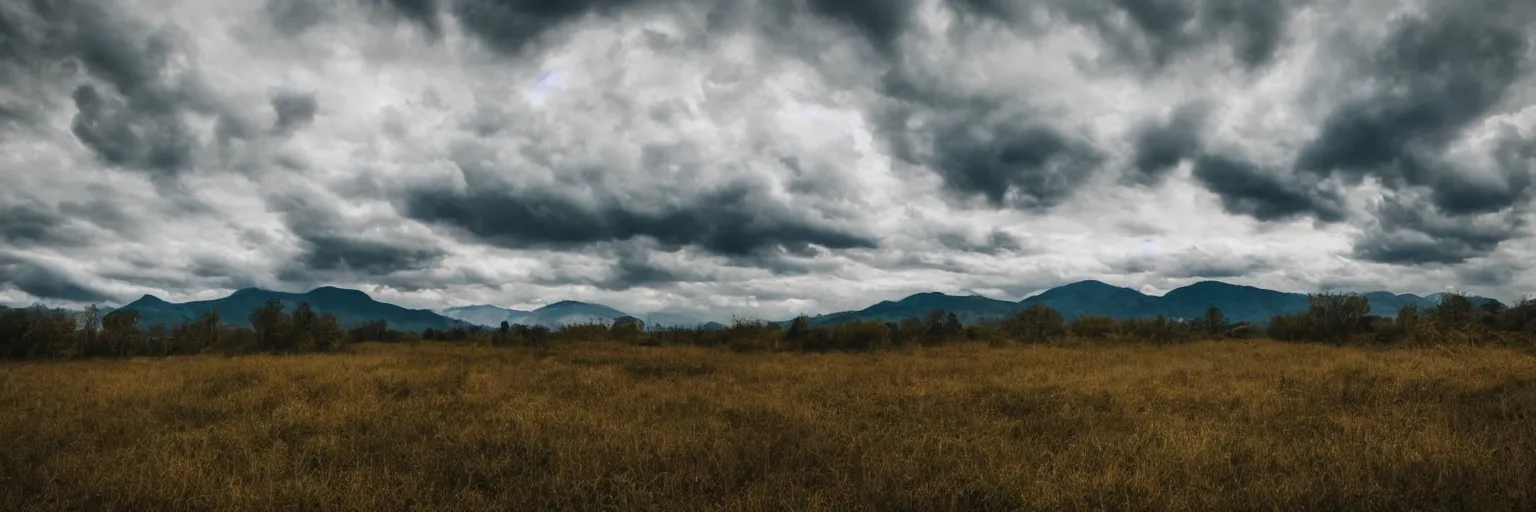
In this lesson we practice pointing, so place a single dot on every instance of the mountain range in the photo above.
(1239, 303)
(564, 313)
(352, 307)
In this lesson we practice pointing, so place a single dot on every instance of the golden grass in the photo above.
(1237, 425)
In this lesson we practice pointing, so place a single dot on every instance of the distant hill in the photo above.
(1097, 298)
(489, 316)
(968, 308)
(660, 319)
(352, 307)
(1239, 303)
(551, 316)
(571, 312)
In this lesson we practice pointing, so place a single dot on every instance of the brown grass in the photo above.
(1238, 425)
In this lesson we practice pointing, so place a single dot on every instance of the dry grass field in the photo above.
(1233, 425)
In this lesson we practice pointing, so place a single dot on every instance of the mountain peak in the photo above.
(1089, 290)
(1090, 284)
(148, 299)
(332, 291)
(351, 307)
(1218, 284)
(925, 295)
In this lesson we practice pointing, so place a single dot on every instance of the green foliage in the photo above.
(1215, 322)
(752, 335)
(1094, 327)
(627, 329)
(1036, 324)
(119, 333)
(375, 330)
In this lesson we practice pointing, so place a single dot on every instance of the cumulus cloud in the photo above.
(764, 157)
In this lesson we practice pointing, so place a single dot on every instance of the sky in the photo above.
(761, 158)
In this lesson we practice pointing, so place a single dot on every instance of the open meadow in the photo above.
(1251, 425)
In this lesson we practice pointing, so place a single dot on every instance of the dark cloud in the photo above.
(33, 223)
(46, 282)
(1412, 248)
(733, 220)
(1152, 34)
(1006, 10)
(1160, 145)
(294, 17)
(103, 210)
(1489, 274)
(364, 256)
(1436, 74)
(1410, 232)
(511, 26)
(631, 265)
(124, 136)
(1027, 166)
(1193, 263)
(29, 223)
(133, 111)
(983, 146)
(294, 110)
(333, 244)
(633, 271)
(996, 242)
(881, 22)
(1245, 189)
(1463, 191)
(424, 13)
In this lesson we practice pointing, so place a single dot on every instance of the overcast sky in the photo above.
(761, 157)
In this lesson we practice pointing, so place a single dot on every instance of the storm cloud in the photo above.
(763, 157)
(737, 220)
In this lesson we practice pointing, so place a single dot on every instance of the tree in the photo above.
(1037, 323)
(1335, 317)
(1093, 327)
(90, 325)
(627, 328)
(302, 333)
(935, 329)
(208, 327)
(1492, 313)
(910, 329)
(372, 330)
(326, 334)
(267, 320)
(799, 329)
(952, 327)
(120, 329)
(1454, 311)
(1215, 322)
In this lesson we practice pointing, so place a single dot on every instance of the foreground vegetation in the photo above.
(436, 426)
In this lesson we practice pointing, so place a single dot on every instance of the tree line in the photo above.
(39, 332)
(1335, 318)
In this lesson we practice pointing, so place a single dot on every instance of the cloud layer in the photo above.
(760, 157)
